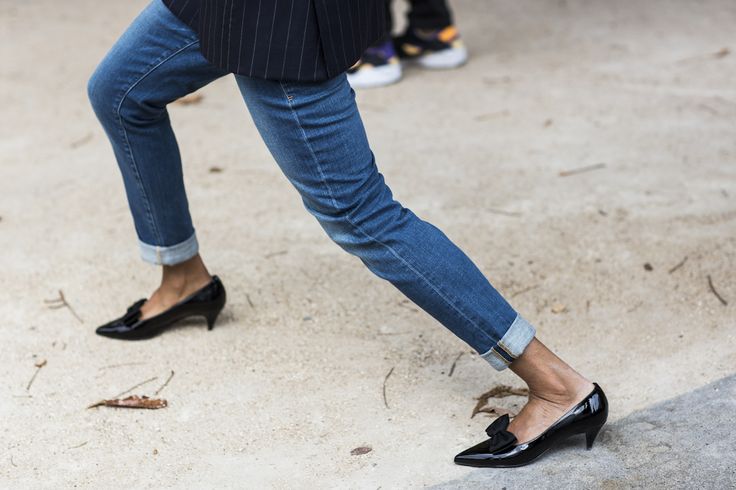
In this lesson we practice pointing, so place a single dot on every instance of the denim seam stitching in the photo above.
(470, 316)
(134, 166)
(284, 89)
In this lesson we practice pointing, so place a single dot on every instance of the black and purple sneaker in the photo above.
(438, 49)
(379, 66)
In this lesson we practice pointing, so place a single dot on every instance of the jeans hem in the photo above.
(170, 255)
(511, 345)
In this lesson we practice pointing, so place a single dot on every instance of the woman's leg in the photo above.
(315, 133)
(155, 62)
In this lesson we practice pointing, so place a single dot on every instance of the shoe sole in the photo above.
(380, 76)
(446, 59)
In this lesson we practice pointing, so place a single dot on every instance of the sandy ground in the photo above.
(291, 380)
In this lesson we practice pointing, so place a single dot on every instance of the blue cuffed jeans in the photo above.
(316, 136)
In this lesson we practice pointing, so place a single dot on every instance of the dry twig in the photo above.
(527, 289)
(502, 212)
(567, 173)
(136, 386)
(165, 384)
(492, 115)
(61, 302)
(122, 364)
(679, 264)
(713, 290)
(81, 141)
(405, 303)
(38, 365)
(454, 364)
(385, 401)
(635, 307)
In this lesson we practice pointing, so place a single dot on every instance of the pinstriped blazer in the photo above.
(298, 40)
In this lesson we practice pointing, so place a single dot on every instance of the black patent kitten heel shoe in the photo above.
(501, 450)
(207, 302)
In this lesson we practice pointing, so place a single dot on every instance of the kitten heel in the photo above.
(590, 436)
(211, 318)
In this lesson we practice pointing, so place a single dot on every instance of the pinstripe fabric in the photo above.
(289, 40)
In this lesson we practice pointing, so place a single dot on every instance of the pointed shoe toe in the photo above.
(120, 326)
(111, 330)
(478, 455)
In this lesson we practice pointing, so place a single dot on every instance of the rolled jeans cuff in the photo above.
(170, 255)
(511, 345)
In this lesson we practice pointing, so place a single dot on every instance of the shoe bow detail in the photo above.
(500, 437)
(133, 314)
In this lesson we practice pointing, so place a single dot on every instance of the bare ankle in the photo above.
(561, 391)
(549, 377)
(185, 277)
(177, 282)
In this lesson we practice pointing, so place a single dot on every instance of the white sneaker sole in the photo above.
(443, 60)
(378, 76)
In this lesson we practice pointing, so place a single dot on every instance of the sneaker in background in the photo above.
(379, 66)
(434, 49)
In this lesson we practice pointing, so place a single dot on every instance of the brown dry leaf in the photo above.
(361, 450)
(40, 364)
(215, 170)
(558, 308)
(133, 401)
(500, 391)
(190, 99)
